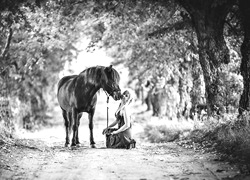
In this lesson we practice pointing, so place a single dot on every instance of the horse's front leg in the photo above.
(75, 126)
(77, 132)
(67, 127)
(91, 126)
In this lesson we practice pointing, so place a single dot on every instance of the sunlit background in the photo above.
(87, 59)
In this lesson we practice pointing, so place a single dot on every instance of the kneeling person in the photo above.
(121, 137)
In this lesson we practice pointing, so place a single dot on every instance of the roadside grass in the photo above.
(227, 134)
(233, 137)
(5, 134)
(165, 130)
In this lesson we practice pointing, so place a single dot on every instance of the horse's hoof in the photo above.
(66, 145)
(93, 146)
(78, 145)
(73, 146)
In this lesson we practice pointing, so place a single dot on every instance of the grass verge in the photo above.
(227, 134)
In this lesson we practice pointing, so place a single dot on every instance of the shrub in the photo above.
(234, 137)
(6, 117)
(164, 130)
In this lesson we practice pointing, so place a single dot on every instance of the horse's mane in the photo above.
(98, 74)
(114, 75)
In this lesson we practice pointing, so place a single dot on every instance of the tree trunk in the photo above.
(159, 97)
(208, 18)
(184, 88)
(196, 95)
(245, 52)
(159, 100)
(210, 56)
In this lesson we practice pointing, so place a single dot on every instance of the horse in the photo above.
(78, 93)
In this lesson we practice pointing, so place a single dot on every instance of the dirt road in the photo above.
(44, 157)
(41, 155)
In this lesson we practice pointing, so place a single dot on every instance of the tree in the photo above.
(245, 52)
(208, 17)
(125, 32)
(41, 42)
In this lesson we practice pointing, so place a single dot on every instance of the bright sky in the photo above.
(88, 59)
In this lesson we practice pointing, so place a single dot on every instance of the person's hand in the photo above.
(105, 131)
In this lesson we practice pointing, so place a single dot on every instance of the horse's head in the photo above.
(111, 83)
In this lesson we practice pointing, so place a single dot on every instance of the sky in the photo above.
(87, 59)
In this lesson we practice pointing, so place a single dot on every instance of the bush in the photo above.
(227, 133)
(5, 134)
(234, 137)
(6, 116)
(164, 130)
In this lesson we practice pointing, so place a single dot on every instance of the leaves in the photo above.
(43, 40)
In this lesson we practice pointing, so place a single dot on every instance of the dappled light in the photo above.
(64, 68)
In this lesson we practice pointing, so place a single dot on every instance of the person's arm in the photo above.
(111, 125)
(126, 123)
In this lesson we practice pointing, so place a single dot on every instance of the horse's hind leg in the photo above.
(67, 124)
(77, 137)
(91, 126)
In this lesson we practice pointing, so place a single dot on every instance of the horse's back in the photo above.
(65, 79)
(72, 93)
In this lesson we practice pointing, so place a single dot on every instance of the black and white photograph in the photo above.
(124, 89)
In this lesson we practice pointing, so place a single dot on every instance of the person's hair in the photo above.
(127, 103)
(126, 92)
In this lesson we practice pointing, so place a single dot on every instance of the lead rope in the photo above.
(107, 109)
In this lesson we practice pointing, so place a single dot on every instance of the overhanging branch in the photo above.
(175, 27)
(7, 44)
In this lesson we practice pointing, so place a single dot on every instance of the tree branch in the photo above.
(175, 27)
(7, 45)
(118, 62)
(233, 29)
(187, 5)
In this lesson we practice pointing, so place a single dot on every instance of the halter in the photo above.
(109, 84)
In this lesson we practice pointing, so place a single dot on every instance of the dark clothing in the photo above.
(121, 140)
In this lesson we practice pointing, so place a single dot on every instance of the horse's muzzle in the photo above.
(117, 96)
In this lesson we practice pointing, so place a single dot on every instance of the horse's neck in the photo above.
(90, 87)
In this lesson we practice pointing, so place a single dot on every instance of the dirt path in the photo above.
(46, 158)
(41, 155)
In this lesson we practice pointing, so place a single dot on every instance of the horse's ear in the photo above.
(110, 68)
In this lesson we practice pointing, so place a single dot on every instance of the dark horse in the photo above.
(77, 94)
